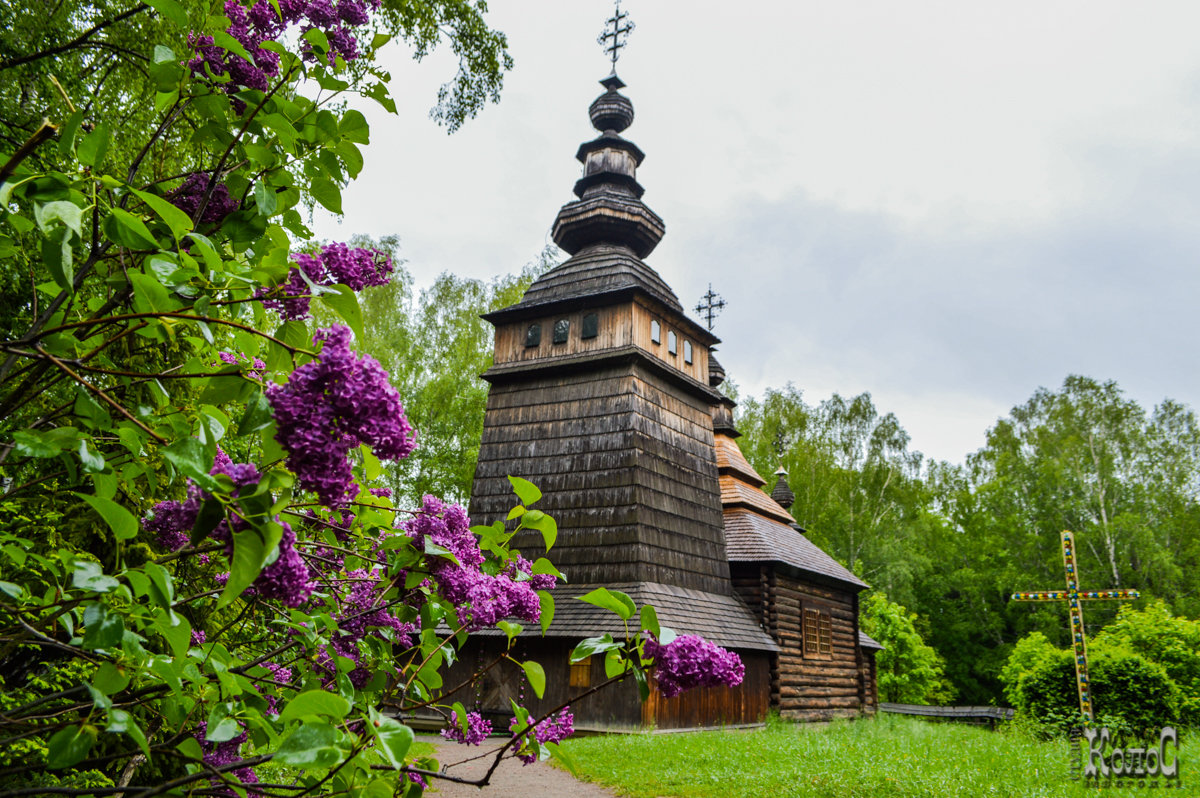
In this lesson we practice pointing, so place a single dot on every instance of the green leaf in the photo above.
(177, 634)
(109, 679)
(119, 520)
(613, 600)
(93, 146)
(536, 676)
(649, 618)
(264, 199)
(515, 512)
(66, 136)
(60, 212)
(123, 228)
(639, 676)
(171, 10)
(536, 519)
(547, 604)
(59, 258)
(34, 443)
(394, 738)
(250, 553)
(92, 461)
(561, 754)
(593, 645)
(666, 636)
(103, 629)
(162, 585)
(222, 731)
(614, 664)
(187, 454)
(353, 126)
(510, 629)
(179, 222)
(226, 42)
(88, 575)
(326, 192)
(526, 491)
(343, 301)
(310, 745)
(69, 745)
(121, 722)
(257, 416)
(315, 702)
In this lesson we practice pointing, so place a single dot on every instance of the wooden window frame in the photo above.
(581, 673)
(590, 326)
(533, 335)
(562, 331)
(816, 632)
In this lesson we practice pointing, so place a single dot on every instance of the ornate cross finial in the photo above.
(617, 29)
(710, 305)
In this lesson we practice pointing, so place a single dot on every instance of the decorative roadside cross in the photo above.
(616, 34)
(710, 305)
(1073, 595)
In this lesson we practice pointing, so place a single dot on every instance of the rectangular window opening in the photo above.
(687, 352)
(655, 332)
(581, 673)
(672, 343)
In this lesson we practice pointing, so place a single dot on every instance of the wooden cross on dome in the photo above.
(617, 28)
(710, 305)
(1074, 595)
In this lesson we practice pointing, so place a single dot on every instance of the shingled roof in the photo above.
(758, 529)
(866, 641)
(723, 619)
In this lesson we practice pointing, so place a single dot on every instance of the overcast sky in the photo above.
(947, 204)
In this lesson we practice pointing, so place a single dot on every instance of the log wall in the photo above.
(809, 686)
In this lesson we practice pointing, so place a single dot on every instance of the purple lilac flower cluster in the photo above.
(553, 729)
(260, 23)
(481, 599)
(332, 405)
(477, 729)
(254, 366)
(288, 579)
(220, 754)
(690, 661)
(190, 194)
(355, 267)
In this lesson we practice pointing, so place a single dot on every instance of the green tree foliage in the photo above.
(1166, 640)
(1131, 693)
(858, 487)
(908, 670)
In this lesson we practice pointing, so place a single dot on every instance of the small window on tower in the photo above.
(672, 343)
(655, 332)
(687, 352)
(581, 673)
(533, 336)
(591, 325)
(561, 328)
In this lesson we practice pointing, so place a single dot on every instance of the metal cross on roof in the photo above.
(1074, 595)
(710, 305)
(617, 29)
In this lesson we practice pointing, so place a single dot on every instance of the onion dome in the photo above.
(781, 493)
(611, 111)
(609, 210)
(716, 372)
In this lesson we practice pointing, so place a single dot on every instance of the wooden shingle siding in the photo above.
(627, 468)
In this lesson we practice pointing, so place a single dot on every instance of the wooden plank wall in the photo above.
(715, 706)
(615, 330)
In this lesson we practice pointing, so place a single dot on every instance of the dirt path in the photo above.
(511, 779)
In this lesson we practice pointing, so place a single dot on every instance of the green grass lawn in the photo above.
(888, 756)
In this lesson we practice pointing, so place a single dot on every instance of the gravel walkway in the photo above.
(511, 779)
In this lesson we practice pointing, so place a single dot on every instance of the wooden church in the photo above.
(603, 393)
